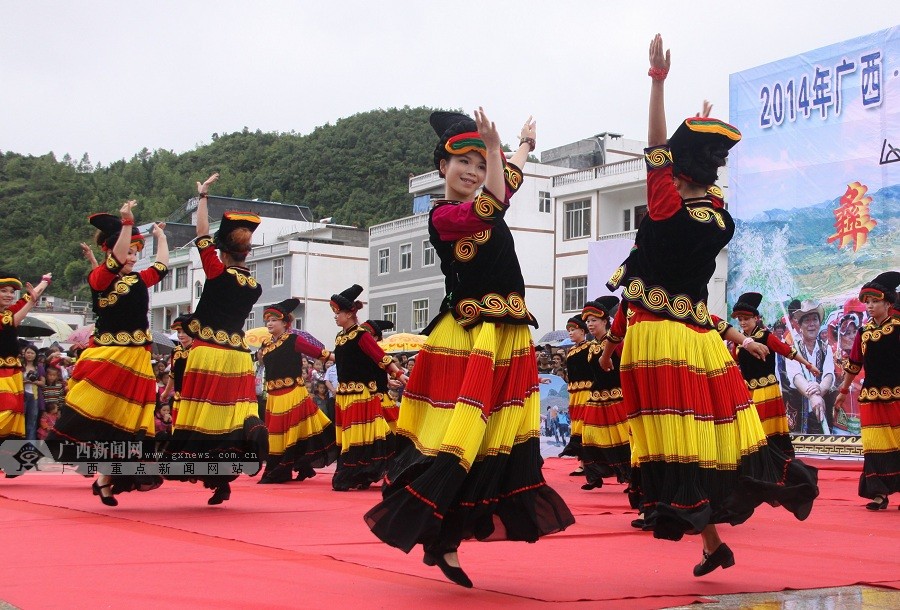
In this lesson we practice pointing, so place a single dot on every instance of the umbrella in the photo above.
(162, 341)
(402, 342)
(554, 335)
(309, 338)
(81, 335)
(33, 327)
(61, 329)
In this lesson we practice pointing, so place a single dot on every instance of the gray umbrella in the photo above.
(554, 336)
(32, 327)
(162, 342)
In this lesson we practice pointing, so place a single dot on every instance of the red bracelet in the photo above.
(127, 222)
(657, 73)
(203, 196)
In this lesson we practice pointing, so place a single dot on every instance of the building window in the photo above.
(405, 257)
(251, 267)
(166, 283)
(278, 272)
(578, 219)
(574, 293)
(427, 254)
(389, 313)
(251, 321)
(626, 220)
(639, 213)
(384, 261)
(419, 314)
(544, 201)
(180, 278)
(198, 289)
(298, 323)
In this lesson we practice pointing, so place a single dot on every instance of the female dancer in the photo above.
(760, 374)
(580, 379)
(12, 388)
(877, 347)
(217, 413)
(112, 391)
(469, 463)
(700, 446)
(366, 440)
(605, 450)
(376, 328)
(301, 437)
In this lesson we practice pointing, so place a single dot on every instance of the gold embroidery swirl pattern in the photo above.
(579, 385)
(204, 242)
(486, 206)
(355, 387)
(617, 276)
(606, 395)
(205, 333)
(7, 318)
(657, 299)
(243, 280)
(160, 267)
(10, 362)
(513, 177)
(342, 338)
(715, 191)
(386, 361)
(882, 393)
(120, 288)
(270, 345)
(658, 157)
(492, 305)
(280, 384)
(707, 215)
(112, 265)
(138, 337)
(875, 333)
(762, 382)
(852, 368)
(466, 248)
(722, 326)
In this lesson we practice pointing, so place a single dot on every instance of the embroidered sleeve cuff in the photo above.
(513, 177)
(161, 269)
(792, 355)
(111, 264)
(204, 242)
(325, 354)
(722, 327)
(657, 157)
(487, 207)
(385, 362)
(852, 368)
(613, 338)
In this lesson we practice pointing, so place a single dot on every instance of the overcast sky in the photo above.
(110, 78)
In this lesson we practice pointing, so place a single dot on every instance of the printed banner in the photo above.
(814, 187)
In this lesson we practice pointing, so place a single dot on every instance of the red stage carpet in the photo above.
(303, 545)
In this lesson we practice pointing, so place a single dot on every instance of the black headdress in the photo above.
(230, 222)
(283, 309)
(346, 299)
(884, 286)
(458, 135)
(377, 327)
(110, 226)
(748, 303)
(601, 307)
(700, 147)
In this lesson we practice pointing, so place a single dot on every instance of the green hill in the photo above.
(355, 171)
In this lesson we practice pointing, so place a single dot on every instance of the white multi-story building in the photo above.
(292, 256)
(598, 205)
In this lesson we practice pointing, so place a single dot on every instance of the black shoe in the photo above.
(98, 491)
(877, 504)
(305, 472)
(12, 476)
(222, 493)
(722, 557)
(455, 575)
(577, 472)
(590, 486)
(271, 479)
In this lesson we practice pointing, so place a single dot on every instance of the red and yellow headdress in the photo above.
(10, 279)
(110, 226)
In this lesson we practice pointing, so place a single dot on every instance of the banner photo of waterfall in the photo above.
(814, 188)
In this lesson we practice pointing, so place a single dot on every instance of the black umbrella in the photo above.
(32, 327)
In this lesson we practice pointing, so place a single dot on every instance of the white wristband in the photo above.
(746, 342)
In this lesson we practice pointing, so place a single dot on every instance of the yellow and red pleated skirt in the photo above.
(217, 409)
(606, 450)
(577, 405)
(365, 439)
(300, 434)
(880, 422)
(469, 463)
(696, 437)
(12, 404)
(773, 415)
(391, 410)
(111, 396)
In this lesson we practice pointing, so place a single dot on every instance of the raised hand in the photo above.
(203, 189)
(125, 211)
(707, 108)
(157, 229)
(659, 60)
(488, 130)
(529, 130)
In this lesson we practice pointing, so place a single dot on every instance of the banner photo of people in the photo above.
(814, 189)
